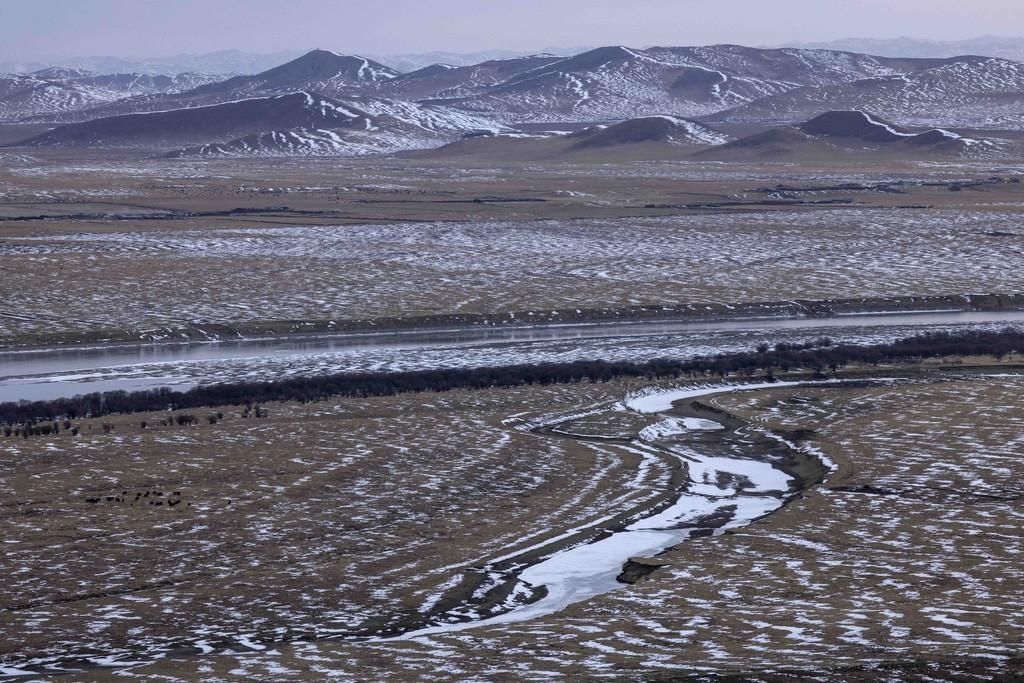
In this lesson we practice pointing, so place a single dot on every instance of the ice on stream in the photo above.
(661, 400)
(673, 426)
(744, 489)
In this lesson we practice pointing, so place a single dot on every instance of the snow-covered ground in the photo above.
(149, 280)
(384, 474)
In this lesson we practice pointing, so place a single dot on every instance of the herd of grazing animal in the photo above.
(53, 427)
(148, 497)
(155, 498)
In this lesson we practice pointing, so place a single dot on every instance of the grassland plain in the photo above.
(355, 517)
(351, 520)
(298, 244)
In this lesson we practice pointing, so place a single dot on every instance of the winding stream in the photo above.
(730, 482)
(751, 490)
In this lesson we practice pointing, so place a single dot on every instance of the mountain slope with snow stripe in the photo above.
(620, 82)
(717, 83)
(969, 92)
(289, 124)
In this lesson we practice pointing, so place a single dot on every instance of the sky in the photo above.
(37, 29)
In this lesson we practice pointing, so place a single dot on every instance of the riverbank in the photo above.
(515, 320)
(817, 356)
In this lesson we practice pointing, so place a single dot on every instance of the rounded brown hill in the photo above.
(839, 134)
(854, 124)
(203, 124)
(672, 129)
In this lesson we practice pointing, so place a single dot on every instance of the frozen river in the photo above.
(51, 373)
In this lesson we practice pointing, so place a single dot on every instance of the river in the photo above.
(43, 374)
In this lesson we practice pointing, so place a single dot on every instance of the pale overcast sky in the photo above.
(33, 29)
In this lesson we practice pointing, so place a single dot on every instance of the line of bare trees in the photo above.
(819, 356)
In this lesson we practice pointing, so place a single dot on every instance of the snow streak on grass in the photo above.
(150, 280)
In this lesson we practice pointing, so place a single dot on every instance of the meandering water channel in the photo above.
(733, 476)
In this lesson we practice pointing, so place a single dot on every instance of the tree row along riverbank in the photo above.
(681, 312)
(818, 357)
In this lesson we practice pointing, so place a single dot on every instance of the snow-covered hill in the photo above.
(439, 81)
(620, 82)
(30, 95)
(129, 84)
(295, 123)
(55, 93)
(60, 92)
(719, 83)
(968, 91)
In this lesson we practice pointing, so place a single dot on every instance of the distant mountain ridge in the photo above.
(234, 62)
(618, 82)
(324, 71)
(220, 62)
(231, 62)
(413, 62)
(53, 92)
(321, 71)
(986, 46)
(655, 90)
(982, 92)
(196, 124)
(279, 125)
(729, 83)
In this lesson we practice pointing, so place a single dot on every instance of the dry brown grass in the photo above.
(325, 525)
(338, 516)
(597, 247)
